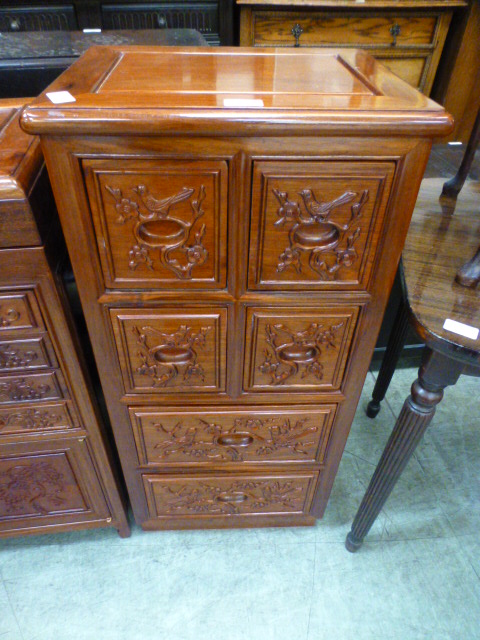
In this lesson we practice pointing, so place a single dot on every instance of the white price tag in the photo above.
(60, 97)
(245, 103)
(461, 329)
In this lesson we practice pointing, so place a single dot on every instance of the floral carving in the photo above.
(20, 390)
(294, 351)
(29, 419)
(240, 496)
(328, 244)
(30, 486)
(9, 318)
(177, 241)
(248, 437)
(165, 356)
(14, 358)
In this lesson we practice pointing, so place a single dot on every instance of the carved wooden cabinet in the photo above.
(234, 220)
(55, 472)
(406, 35)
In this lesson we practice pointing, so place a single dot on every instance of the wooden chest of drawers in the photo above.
(55, 472)
(406, 37)
(234, 219)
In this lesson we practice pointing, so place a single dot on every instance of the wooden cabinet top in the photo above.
(165, 91)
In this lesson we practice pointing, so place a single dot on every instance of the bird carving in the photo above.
(161, 207)
(323, 209)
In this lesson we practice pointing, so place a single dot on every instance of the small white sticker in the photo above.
(92, 31)
(59, 97)
(360, 1)
(243, 102)
(461, 329)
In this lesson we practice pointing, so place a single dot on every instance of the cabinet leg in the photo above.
(436, 373)
(395, 345)
(452, 188)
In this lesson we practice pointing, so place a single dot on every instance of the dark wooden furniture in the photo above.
(55, 470)
(29, 62)
(234, 220)
(436, 246)
(212, 18)
(406, 35)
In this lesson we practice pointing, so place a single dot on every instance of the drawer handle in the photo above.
(235, 440)
(15, 24)
(395, 32)
(236, 497)
(162, 23)
(296, 33)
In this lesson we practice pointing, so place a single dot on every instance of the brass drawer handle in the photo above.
(395, 31)
(15, 24)
(235, 440)
(235, 497)
(296, 33)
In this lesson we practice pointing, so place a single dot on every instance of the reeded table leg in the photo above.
(395, 345)
(436, 372)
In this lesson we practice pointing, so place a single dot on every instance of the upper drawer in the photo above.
(160, 224)
(61, 18)
(316, 225)
(361, 30)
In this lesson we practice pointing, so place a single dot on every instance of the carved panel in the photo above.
(227, 495)
(222, 436)
(298, 350)
(38, 485)
(160, 223)
(39, 417)
(315, 225)
(167, 350)
(29, 388)
(25, 354)
(19, 310)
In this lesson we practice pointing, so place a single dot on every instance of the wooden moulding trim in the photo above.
(383, 4)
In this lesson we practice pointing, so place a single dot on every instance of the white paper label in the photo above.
(59, 97)
(243, 102)
(461, 329)
(92, 31)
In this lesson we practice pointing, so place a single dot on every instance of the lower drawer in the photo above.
(228, 496)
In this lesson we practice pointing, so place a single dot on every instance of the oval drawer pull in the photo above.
(235, 440)
(395, 32)
(296, 33)
(236, 497)
(15, 24)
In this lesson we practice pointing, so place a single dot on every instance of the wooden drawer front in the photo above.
(160, 223)
(315, 225)
(171, 351)
(298, 349)
(53, 483)
(227, 495)
(35, 418)
(19, 310)
(25, 354)
(60, 18)
(30, 388)
(216, 436)
(411, 68)
(361, 30)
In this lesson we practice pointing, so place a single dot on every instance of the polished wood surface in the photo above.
(408, 37)
(55, 467)
(233, 262)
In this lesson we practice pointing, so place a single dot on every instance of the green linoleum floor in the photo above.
(417, 577)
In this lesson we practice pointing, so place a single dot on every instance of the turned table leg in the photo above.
(436, 372)
(452, 188)
(395, 345)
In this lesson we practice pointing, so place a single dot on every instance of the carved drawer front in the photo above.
(298, 349)
(316, 224)
(202, 437)
(314, 29)
(160, 223)
(25, 354)
(36, 418)
(37, 18)
(19, 310)
(171, 351)
(30, 388)
(49, 484)
(228, 495)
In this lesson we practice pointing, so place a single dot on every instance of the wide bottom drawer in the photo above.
(228, 497)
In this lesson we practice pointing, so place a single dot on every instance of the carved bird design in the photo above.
(161, 207)
(323, 209)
